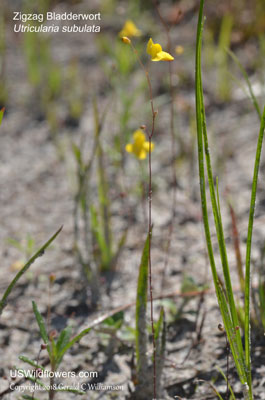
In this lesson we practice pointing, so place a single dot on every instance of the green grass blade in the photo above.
(39, 253)
(73, 341)
(103, 196)
(160, 338)
(53, 351)
(104, 206)
(62, 342)
(261, 292)
(248, 249)
(84, 332)
(40, 323)
(78, 156)
(159, 325)
(231, 335)
(2, 114)
(216, 214)
(99, 237)
(218, 222)
(119, 249)
(229, 386)
(32, 379)
(229, 314)
(218, 198)
(200, 148)
(252, 96)
(199, 120)
(64, 338)
(31, 362)
(228, 282)
(141, 305)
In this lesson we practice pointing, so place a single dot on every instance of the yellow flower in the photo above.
(156, 52)
(139, 147)
(129, 29)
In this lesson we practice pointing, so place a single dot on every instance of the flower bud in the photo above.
(221, 327)
(126, 40)
(53, 334)
(52, 278)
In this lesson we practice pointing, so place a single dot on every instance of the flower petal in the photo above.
(156, 48)
(149, 46)
(163, 56)
(129, 29)
(129, 148)
(142, 155)
(146, 146)
(139, 136)
(156, 52)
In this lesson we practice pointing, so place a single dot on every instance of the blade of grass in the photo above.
(160, 337)
(201, 151)
(99, 236)
(230, 388)
(199, 118)
(84, 332)
(228, 313)
(62, 342)
(39, 253)
(226, 271)
(2, 114)
(119, 249)
(41, 323)
(159, 323)
(63, 338)
(248, 249)
(236, 241)
(141, 305)
(32, 379)
(31, 362)
(261, 292)
(219, 226)
(103, 196)
(211, 385)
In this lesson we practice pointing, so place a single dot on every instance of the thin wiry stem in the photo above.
(173, 147)
(150, 135)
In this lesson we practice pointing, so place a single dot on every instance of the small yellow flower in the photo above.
(156, 52)
(126, 40)
(129, 29)
(139, 147)
(179, 50)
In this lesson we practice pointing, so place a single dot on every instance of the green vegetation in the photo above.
(118, 121)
